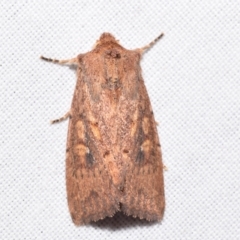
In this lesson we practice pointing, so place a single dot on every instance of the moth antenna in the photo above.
(66, 116)
(65, 61)
(147, 47)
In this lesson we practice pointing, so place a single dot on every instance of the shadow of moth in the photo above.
(113, 160)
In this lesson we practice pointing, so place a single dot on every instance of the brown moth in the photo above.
(113, 160)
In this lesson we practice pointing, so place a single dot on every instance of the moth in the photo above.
(113, 154)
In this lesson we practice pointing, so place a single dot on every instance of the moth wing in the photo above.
(89, 189)
(144, 187)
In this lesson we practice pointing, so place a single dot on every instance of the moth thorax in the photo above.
(112, 57)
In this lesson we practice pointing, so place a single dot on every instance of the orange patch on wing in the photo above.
(95, 130)
(80, 129)
(81, 150)
(146, 146)
(94, 127)
(145, 125)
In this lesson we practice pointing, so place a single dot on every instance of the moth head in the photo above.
(106, 38)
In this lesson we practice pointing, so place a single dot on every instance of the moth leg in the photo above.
(67, 115)
(145, 48)
(66, 61)
(165, 168)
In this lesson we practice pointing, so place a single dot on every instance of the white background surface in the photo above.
(193, 79)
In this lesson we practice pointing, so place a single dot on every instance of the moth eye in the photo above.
(125, 151)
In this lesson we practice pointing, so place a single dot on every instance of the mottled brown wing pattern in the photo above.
(143, 191)
(90, 193)
(113, 157)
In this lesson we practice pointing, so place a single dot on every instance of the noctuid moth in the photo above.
(113, 155)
